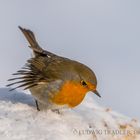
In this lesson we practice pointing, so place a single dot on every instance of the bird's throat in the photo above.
(71, 94)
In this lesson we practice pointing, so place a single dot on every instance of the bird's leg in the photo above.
(37, 107)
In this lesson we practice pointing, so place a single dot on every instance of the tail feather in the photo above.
(32, 41)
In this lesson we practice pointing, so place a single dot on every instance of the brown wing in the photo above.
(34, 70)
(31, 74)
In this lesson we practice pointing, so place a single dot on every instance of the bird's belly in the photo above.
(69, 95)
(43, 94)
(40, 94)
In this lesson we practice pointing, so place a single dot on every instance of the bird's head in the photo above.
(87, 78)
(82, 75)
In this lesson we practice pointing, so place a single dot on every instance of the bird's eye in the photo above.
(83, 83)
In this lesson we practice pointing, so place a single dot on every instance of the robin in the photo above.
(54, 81)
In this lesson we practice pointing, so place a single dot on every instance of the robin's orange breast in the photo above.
(71, 94)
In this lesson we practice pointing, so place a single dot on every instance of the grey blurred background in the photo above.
(103, 34)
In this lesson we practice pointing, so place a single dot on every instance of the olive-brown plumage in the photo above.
(54, 81)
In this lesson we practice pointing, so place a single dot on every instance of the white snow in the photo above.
(19, 120)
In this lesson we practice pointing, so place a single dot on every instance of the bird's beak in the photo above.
(96, 92)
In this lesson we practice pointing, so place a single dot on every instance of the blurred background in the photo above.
(103, 34)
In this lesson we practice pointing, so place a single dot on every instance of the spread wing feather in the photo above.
(34, 73)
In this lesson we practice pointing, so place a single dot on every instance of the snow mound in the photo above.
(19, 120)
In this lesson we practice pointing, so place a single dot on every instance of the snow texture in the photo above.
(19, 120)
